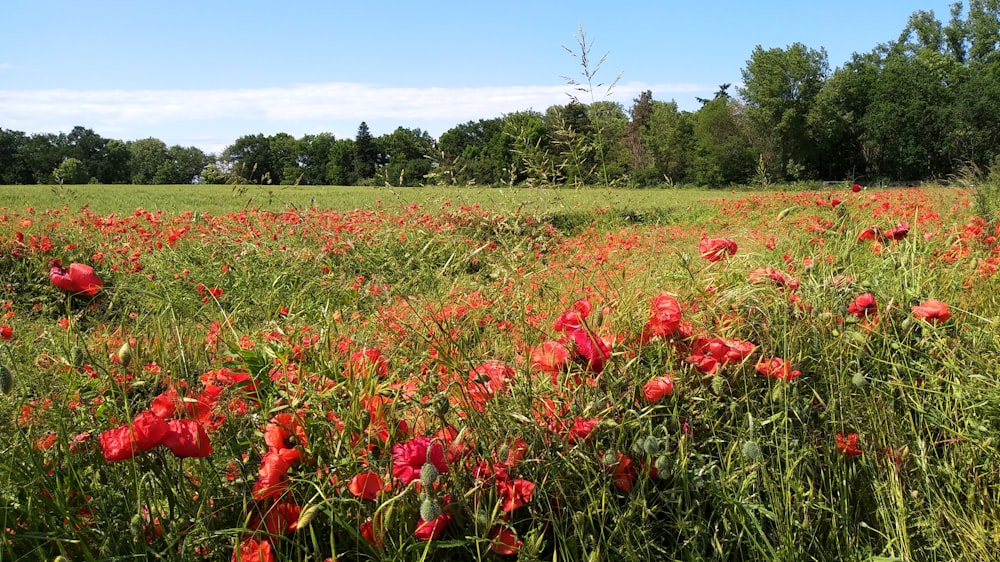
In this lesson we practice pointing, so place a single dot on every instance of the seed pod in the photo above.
(718, 385)
(428, 475)
(751, 450)
(429, 509)
(651, 445)
(306, 517)
(858, 379)
(662, 465)
(125, 354)
(441, 403)
(6, 380)
(135, 527)
(77, 357)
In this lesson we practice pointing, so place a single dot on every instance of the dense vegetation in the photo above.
(804, 375)
(922, 106)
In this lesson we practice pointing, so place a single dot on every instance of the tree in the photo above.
(71, 171)
(250, 158)
(478, 151)
(722, 153)
(669, 139)
(314, 154)
(146, 157)
(639, 162)
(366, 154)
(779, 87)
(341, 166)
(404, 154)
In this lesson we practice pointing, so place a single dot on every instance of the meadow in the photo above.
(316, 374)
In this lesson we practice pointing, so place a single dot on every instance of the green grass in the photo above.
(288, 285)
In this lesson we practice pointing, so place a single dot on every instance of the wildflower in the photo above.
(898, 232)
(714, 249)
(665, 317)
(253, 550)
(863, 306)
(409, 458)
(272, 476)
(848, 445)
(365, 485)
(855, 188)
(285, 431)
(514, 494)
(187, 438)
(505, 541)
(80, 278)
(932, 310)
(763, 275)
(592, 350)
(6, 333)
(623, 472)
(550, 357)
(777, 368)
(658, 388)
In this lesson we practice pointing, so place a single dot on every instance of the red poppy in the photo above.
(148, 430)
(514, 494)
(898, 232)
(848, 445)
(280, 518)
(871, 233)
(573, 318)
(855, 188)
(505, 541)
(707, 354)
(932, 310)
(370, 533)
(714, 249)
(550, 357)
(253, 550)
(285, 431)
(623, 472)
(591, 349)
(80, 278)
(864, 306)
(581, 429)
(366, 485)
(6, 333)
(408, 458)
(665, 316)
(365, 363)
(187, 438)
(658, 388)
(777, 368)
(272, 476)
(117, 445)
(763, 275)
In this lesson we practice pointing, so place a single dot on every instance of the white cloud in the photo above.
(308, 101)
(211, 118)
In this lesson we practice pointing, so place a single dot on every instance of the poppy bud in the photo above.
(135, 527)
(859, 380)
(662, 465)
(751, 450)
(651, 445)
(429, 509)
(441, 403)
(6, 380)
(77, 357)
(428, 476)
(718, 385)
(125, 354)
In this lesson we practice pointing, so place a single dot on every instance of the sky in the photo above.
(204, 73)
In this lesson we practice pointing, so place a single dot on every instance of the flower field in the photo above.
(753, 376)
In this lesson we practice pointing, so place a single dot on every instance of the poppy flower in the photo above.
(280, 518)
(658, 388)
(253, 550)
(665, 317)
(592, 351)
(932, 310)
(855, 188)
(408, 458)
(285, 431)
(117, 445)
(78, 279)
(272, 476)
(623, 472)
(714, 249)
(863, 306)
(514, 494)
(365, 485)
(187, 438)
(898, 232)
(550, 357)
(581, 429)
(777, 368)
(762, 275)
(848, 445)
(871, 233)
(572, 319)
(505, 541)
(146, 431)
(6, 333)
(365, 363)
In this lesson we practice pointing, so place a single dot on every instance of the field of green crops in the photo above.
(309, 374)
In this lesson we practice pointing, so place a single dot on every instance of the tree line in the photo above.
(923, 106)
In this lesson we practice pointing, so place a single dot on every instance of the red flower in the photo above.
(777, 368)
(591, 349)
(581, 429)
(658, 388)
(187, 438)
(572, 319)
(365, 363)
(146, 431)
(6, 333)
(932, 310)
(505, 541)
(714, 249)
(252, 550)
(665, 317)
(550, 357)
(864, 306)
(514, 494)
(365, 485)
(623, 472)
(80, 278)
(855, 188)
(272, 476)
(848, 445)
(285, 431)
(707, 354)
(116, 444)
(408, 458)
(279, 519)
(898, 232)
(763, 275)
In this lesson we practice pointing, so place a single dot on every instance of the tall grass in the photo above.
(373, 324)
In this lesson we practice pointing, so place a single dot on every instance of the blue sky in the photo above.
(205, 72)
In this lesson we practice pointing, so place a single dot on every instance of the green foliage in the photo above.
(70, 171)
